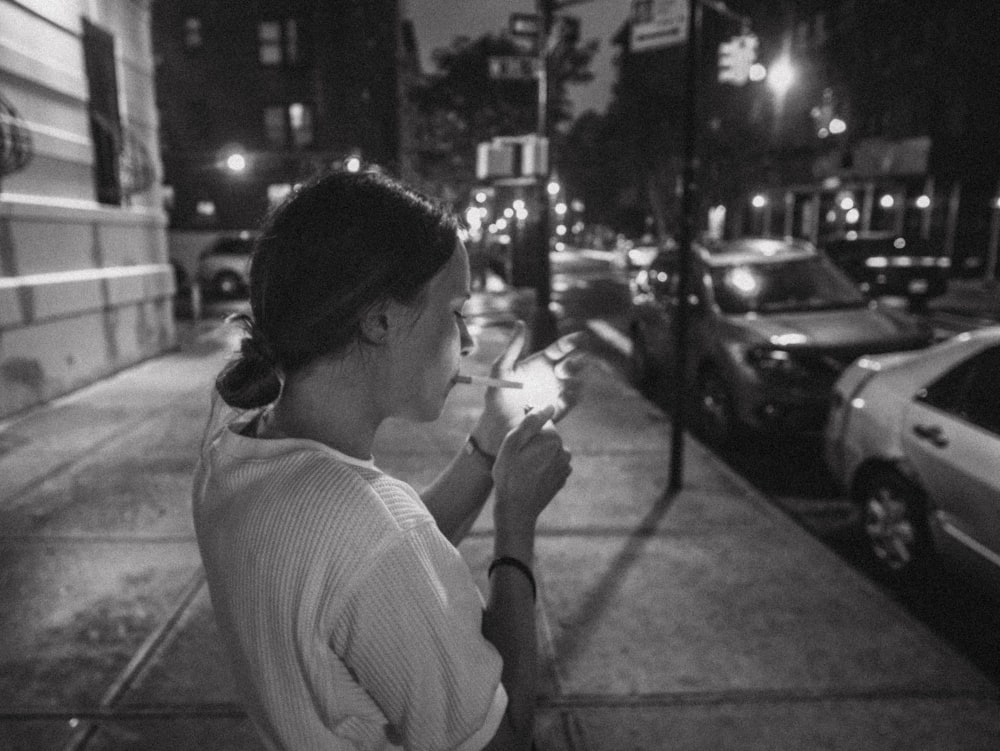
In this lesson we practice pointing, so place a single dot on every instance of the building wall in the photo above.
(85, 287)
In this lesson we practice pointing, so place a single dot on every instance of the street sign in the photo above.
(659, 23)
(513, 67)
(736, 57)
(512, 157)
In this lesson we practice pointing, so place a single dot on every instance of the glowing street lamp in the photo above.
(236, 162)
(781, 76)
(352, 164)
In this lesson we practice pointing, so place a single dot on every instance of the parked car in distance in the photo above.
(224, 266)
(914, 439)
(771, 324)
(884, 263)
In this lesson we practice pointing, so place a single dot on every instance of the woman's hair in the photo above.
(337, 247)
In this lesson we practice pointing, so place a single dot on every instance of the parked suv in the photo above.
(883, 263)
(771, 325)
(224, 267)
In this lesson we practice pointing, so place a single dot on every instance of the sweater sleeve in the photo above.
(410, 630)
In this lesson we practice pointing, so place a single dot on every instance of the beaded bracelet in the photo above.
(506, 560)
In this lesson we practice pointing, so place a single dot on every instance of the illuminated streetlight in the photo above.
(560, 208)
(553, 188)
(481, 196)
(837, 126)
(923, 201)
(887, 201)
(757, 72)
(236, 162)
(759, 201)
(781, 76)
(353, 164)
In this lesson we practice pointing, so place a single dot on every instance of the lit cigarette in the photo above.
(499, 383)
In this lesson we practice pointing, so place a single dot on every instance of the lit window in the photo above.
(269, 37)
(280, 42)
(278, 192)
(300, 118)
(192, 32)
(289, 125)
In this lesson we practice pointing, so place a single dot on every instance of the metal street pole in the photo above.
(688, 227)
(544, 326)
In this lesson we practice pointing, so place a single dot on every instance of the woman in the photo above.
(350, 618)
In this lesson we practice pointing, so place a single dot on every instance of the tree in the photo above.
(461, 105)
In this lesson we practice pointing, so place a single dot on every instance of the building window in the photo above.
(102, 105)
(192, 33)
(289, 125)
(280, 42)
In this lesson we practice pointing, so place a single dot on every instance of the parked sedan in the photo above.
(224, 267)
(915, 441)
(771, 325)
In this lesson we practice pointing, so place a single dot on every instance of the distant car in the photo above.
(771, 325)
(224, 267)
(915, 441)
(884, 263)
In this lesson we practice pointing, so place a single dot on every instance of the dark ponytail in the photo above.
(251, 379)
(337, 247)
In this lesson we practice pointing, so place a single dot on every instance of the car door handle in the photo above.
(932, 433)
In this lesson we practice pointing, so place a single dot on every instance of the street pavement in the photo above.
(703, 619)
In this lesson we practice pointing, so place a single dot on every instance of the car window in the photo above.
(798, 285)
(970, 391)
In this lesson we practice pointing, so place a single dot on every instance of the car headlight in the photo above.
(771, 361)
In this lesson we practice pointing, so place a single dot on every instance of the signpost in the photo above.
(664, 23)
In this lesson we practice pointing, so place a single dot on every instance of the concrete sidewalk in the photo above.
(702, 620)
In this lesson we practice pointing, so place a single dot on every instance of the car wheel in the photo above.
(716, 416)
(894, 523)
(227, 284)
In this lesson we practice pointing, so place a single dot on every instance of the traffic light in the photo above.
(735, 59)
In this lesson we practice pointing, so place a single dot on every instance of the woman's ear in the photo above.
(375, 324)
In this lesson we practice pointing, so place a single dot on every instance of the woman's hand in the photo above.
(531, 467)
(550, 378)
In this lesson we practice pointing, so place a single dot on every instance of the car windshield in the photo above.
(798, 285)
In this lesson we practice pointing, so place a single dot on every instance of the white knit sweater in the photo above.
(350, 620)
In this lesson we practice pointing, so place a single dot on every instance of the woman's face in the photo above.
(426, 349)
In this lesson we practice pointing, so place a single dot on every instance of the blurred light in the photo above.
(521, 214)
(481, 196)
(852, 234)
(923, 201)
(853, 216)
(553, 188)
(831, 216)
(781, 76)
(353, 164)
(757, 72)
(887, 201)
(560, 208)
(759, 201)
(205, 208)
(576, 204)
(899, 243)
(742, 279)
(847, 203)
(822, 132)
(783, 340)
(236, 162)
(837, 126)
(996, 202)
(508, 212)
(560, 245)
(560, 229)
(578, 227)
(501, 223)
(518, 205)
